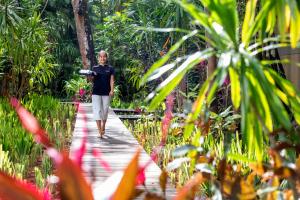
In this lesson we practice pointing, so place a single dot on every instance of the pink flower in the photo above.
(81, 92)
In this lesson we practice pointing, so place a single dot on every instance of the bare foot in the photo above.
(102, 133)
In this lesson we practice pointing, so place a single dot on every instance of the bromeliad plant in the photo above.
(260, 93)
(72, 184)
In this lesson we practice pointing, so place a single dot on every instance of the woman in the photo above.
(103, 89)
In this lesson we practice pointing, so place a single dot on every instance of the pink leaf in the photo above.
(14, 189)
(97, 154)
(30, 123)
(141, 178)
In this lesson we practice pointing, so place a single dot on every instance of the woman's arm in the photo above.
(112, 82)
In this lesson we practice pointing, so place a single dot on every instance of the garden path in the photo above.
(117, 147)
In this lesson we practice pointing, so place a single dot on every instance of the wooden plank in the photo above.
(123, 110)
(130, 117)
(117, 147)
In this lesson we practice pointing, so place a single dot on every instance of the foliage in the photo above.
(79, 89)
(72, 184)
(36, 45)
(132, 47)
(258, 91)
(62, 34)
(23, 152)
(24, 48)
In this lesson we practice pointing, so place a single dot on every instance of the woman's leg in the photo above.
(105, 103)
(97, 111)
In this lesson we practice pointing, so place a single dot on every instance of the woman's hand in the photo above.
(111, 93)
(90, 78)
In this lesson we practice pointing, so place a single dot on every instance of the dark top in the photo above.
(101, 84)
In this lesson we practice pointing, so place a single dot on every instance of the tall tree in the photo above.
(84, 33)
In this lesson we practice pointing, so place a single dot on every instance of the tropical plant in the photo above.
(258, 91)
(23, 152)
(79, 89)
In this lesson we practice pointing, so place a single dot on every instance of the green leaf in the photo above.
(276, 106)
(248, 19)
(295, 104)
(200, 16)
(257, 23)
(166, 57)
(225, 13)
(197, 106)
(176, 163)
(240, 158)
(235, 88)
(181, 151)
(285, 84)
(261, 102)
(174, 79)
(294, 24)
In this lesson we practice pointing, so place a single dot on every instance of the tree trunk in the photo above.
(84, 33)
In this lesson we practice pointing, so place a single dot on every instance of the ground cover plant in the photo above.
(22, 157)
(247, 151)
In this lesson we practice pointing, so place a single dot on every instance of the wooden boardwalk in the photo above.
(117, 147)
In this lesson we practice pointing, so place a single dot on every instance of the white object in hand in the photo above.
(87, 72)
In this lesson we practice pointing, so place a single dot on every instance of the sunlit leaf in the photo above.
(163, 179)
(176, 163)
(72, 183)
(235, 88)
(183, 150)
(252, 30)
(204, 167)
(286, 85)
(225, 13)
(167, 86)
(261, 101)
(248, 19)
(127, 185)
(197, 106)
(166, 57)
(294, 26)
(193, 182)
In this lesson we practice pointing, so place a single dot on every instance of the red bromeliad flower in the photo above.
(81, 92)
(30, 123)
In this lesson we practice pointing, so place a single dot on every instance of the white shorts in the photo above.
(100, 106)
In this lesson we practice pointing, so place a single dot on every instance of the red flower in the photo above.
(81, 92)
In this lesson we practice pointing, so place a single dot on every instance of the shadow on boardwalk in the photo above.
(117, 147)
